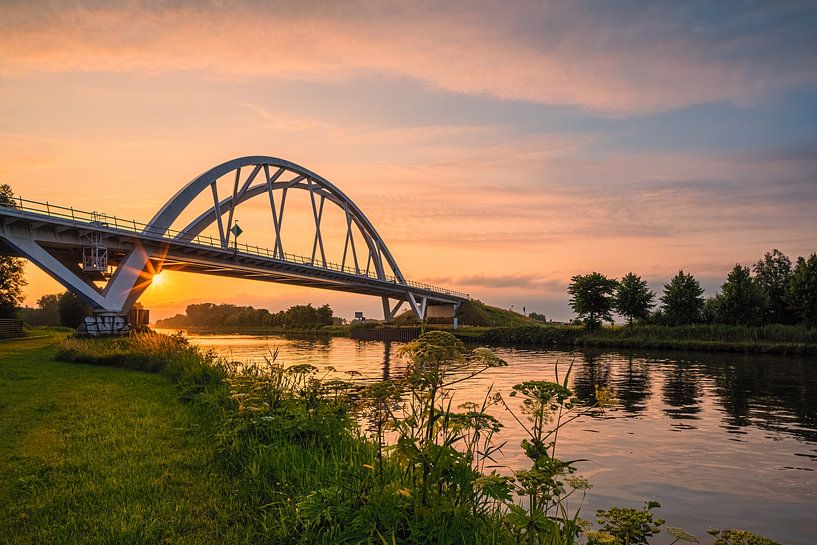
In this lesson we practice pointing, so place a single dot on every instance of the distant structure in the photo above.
(108, 261)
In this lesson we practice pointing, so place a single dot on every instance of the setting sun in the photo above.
(158, 279)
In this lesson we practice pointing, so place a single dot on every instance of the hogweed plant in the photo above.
(549, 482)
(441, 452)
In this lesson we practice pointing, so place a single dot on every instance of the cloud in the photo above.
(512, 281)
(619, 59)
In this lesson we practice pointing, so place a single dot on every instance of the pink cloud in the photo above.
(613, 68)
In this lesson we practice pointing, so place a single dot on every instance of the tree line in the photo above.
(214, 315)
(773, 291)
(58, 309)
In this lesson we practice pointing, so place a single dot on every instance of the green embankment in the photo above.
(100, 455)
(475, 313)
(768, 339)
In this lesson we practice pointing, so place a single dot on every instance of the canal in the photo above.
(720, 440)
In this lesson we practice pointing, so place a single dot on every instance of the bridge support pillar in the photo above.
(388, 312)
(104, 324)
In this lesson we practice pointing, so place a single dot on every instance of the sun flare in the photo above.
(158, 279)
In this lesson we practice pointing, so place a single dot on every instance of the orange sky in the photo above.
(497, 151)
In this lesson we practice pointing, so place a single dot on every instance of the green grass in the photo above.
(101, 455)
(477, 313)
(474, 313)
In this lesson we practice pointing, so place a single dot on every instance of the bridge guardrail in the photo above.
(100, 219)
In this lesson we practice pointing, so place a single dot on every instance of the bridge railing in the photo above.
(101, 220)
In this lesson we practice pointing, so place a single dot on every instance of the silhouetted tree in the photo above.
(802, 290)
(210, 314)
(538, 317)
(682, 300)
(591, 298)
(46, 313)
(742, 300)
(72, 311)
(323, 315)
(772, 274)
(712, 310)
(634, 299)
(11, 269)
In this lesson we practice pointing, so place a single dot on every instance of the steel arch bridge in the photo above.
(109, 261)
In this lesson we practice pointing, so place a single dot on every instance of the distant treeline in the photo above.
(213, 315)
(58, 309)
(773, 291)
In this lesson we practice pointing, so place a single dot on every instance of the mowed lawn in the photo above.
(102, 455)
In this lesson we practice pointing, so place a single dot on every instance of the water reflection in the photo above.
(681, 391)
(632, 385)
(589, 372)
(386, 360)
(725, 440)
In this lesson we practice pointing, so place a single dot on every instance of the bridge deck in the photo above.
(204, 254)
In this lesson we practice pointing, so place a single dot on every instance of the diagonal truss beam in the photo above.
(317, 212)
(278, 248)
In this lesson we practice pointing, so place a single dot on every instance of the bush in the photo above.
(188, 367)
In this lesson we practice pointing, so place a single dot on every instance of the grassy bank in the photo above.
(303, 471)
(768, 339)
(101, 455)
(199, 451)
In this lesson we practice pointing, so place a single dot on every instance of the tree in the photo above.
(11, 269)
(46, 313)
(742, 300)
(538, 317)
(772, 274)
(323, 315)
(591, 297)
(712, 310)
(682, 300)
(802, 291)
(634, 299)
(72, 311)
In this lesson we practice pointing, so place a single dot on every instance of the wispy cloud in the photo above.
(515, 281)
(617, 59)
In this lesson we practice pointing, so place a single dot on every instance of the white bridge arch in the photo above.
(59, 240)
(268, 176)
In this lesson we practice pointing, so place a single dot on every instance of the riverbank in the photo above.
(328, 331)
(778, 339)
(103, 455)
(772, 339)
(196, 452)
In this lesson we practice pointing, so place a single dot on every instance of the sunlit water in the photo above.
(720, 440)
